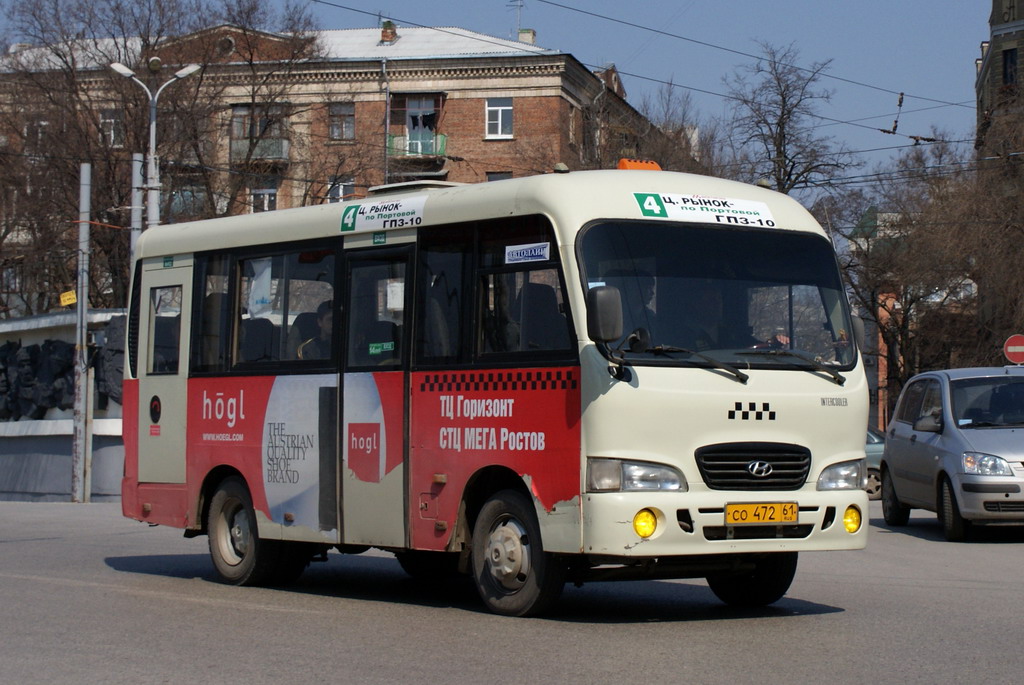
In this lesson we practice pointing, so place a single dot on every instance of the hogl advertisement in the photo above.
(279, 433)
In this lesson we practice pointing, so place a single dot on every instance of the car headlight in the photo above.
(616, 475)
(986, 464)
(847, 475)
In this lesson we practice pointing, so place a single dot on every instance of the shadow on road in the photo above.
(925, 526)
(380, 579)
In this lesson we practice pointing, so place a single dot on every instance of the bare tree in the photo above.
(686, 143)
(773, 128)
(900, 248)
(60, 106)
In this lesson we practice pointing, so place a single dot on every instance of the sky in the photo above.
(877, 48)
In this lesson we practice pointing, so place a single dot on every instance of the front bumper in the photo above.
(692, 523)
(990, 498)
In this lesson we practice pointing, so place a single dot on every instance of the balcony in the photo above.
(269, 150)
(418, 146)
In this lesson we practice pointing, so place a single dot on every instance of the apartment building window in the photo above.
(342, 121)
(340, 188)
(35, 135)
(264, 194)
(1010, 67)
(499, 117)
(112, 127)
(414, 123)
(256, 122)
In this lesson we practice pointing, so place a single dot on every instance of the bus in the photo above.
(570, 377)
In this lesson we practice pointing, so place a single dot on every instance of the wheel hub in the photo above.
(508, 555)
(239, 531)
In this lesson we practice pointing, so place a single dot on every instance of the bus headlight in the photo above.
(616, 475)
(847, 475)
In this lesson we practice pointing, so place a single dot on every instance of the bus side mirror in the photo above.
(859, 336)
(604, 314)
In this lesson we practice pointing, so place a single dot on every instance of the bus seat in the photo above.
(542, 326)
(257, 340)
(302, 329)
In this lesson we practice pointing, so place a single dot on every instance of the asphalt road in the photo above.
(89, 597)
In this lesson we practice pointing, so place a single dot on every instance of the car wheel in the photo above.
(513, 574)
(766, 583)
(955, 526)
(874, 486)
(894, 512)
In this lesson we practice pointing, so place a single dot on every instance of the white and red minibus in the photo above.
(562, 378)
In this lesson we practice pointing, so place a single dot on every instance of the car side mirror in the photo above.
(928, 424)
(604, 313)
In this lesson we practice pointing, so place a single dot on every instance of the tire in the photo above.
(512, 573)
(435, 566)
(874, 487)
(766, 584)
(894, 512)
(239, 555)
(955, 527)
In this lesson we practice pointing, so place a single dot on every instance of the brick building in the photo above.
(361, 107)
(275, 121)
(998, 82)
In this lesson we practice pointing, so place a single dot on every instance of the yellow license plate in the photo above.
(761, 513)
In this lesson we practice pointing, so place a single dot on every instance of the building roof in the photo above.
(339, 45)
(422, 43)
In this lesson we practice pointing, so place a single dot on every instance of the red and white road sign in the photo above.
(1013, 348)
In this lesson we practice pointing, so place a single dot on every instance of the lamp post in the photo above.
(152, 168)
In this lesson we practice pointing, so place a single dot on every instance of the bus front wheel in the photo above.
(765, 584)
(513, 574)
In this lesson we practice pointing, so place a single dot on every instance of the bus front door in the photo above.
(373, 398)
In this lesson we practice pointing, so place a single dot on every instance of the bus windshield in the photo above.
(756, 298)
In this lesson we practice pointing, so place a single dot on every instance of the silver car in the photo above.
(955, 446)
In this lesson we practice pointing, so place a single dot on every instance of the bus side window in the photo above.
(443, 259)
(165, 329)
(212, 323)
(376, 314)
(522, 312)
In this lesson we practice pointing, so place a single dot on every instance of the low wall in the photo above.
(36, 463)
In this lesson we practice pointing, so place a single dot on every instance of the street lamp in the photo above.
(152, 168)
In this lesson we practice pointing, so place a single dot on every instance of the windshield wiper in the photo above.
(668, 350)
(818, 366)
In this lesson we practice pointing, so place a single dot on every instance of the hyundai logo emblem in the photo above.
(759, 469)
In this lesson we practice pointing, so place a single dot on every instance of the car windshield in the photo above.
(748, 298)
(995, 401)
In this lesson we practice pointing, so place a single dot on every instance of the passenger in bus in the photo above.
(319, 347)
(704, 328)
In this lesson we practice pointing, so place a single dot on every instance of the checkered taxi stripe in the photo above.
(500, 380)
(752, 412)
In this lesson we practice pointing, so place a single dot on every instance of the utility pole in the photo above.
(82, 439)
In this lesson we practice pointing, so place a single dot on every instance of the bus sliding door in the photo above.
(373, 397)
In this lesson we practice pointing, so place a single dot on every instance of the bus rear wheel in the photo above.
(513, 574)
(239, 555)
(767, 583)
